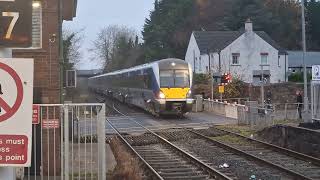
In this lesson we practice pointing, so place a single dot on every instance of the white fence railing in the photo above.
(251, 114)
(68, 143)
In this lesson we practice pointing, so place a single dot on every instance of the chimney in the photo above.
(248, 25)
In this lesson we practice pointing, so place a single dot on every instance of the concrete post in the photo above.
(199, 103)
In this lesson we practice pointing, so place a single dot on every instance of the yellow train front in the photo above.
(175, 87)
(161, 87)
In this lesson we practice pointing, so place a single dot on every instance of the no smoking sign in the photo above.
(16, 98)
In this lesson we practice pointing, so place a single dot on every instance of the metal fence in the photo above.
(68, 143)
(287, 111)
(234, 100)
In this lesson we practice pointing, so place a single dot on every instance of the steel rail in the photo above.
(154, 172)
(212, 171)
(240, 152)
(279, 149)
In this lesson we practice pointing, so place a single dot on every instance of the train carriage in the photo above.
(161, 87)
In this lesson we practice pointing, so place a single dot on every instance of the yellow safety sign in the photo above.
(221, 89)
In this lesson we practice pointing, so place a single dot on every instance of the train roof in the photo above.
(139, 67)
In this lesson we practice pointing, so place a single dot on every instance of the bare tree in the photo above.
(107, 44)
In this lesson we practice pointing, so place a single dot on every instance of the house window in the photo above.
(235, 58)
(279, 61)
(264, 58)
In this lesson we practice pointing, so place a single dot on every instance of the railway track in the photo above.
(165, 160)
(294, 163)
(201, 154)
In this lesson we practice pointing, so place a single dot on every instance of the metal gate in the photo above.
(68, 143)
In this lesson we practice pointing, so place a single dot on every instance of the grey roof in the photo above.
(218, 40)
(88, 73)
(295, 58)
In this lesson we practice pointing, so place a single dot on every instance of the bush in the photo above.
(298, 77)
(201, 78)
(235, 89)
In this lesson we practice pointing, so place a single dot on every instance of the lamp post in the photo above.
(306, 100)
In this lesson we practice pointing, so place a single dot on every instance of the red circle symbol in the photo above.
(10, 111)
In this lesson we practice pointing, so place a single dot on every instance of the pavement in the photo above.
(84, 158)
(191, 120)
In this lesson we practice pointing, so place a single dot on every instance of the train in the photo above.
(162, 87)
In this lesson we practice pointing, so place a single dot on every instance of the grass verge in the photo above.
(243, 130)
(127, 167)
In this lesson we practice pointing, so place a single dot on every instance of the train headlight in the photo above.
(162, 95)
(189, 94)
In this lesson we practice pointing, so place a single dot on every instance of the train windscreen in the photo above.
(174, 78)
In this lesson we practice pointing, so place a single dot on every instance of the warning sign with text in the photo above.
(16, 100)
(35, 114)
(13, 149)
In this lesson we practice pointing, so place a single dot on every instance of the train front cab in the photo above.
(175, 88)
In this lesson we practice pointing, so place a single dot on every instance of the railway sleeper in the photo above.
(198, 177)
(186, 169)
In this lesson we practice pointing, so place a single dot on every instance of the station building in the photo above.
(45, 47)
(47, 18)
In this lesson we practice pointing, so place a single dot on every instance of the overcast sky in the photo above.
(92, 15)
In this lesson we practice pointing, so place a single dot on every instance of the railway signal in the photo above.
(226, 78)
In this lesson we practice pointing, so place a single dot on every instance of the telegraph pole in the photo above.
(262, 86)
(210, 73)
(306, 100)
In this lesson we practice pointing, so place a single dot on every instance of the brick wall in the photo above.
(46, 83)
(281, 93)
(46, 77)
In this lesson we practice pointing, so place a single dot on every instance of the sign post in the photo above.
(221, 91)
(16, 100)
(316, 73)
(315, 93)
(16, 87)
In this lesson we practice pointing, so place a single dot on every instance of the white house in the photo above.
(243, 54)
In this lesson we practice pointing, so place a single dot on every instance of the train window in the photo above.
(181, 78)
(167, 78)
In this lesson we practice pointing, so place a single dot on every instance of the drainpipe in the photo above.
(285, 67)
(219, 52)
(61, 60)
(208, 52)
(194, 61)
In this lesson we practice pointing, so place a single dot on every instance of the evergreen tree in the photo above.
(278, 18)
(313, 24)
(161, 30)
